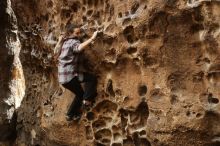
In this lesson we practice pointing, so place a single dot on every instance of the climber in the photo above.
(69, 49)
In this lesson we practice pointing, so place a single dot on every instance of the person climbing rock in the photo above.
(69, 49)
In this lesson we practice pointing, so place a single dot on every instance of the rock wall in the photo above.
(158, 64)
(11, 74)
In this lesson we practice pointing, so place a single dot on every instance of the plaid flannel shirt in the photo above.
(68, 60)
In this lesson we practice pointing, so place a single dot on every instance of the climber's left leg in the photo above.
(75, 108)
(90, 91)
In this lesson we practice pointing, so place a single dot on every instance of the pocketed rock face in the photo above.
(158, 64)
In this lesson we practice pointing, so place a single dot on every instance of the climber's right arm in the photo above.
(83, 45)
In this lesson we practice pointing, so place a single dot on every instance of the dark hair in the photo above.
(70, 28)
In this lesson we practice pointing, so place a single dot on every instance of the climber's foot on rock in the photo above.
(75, 117)
(87, 104)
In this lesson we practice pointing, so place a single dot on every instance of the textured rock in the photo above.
(11, 77)
(158, 64)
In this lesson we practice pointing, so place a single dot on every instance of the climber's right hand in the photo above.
(94, 35)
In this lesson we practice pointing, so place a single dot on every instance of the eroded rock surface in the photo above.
(12, 84)
(158, 63)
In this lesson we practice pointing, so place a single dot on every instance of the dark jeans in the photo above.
(89, 92)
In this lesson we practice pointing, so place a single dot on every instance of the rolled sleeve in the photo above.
(75, 46)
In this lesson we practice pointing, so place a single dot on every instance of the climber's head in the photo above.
(77, 32)
(74, 31)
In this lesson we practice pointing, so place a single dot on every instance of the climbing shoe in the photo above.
(75, 117)
(87, 104)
